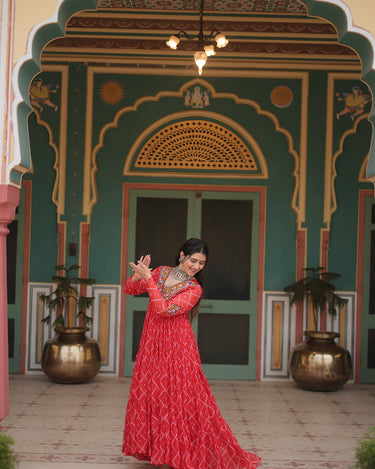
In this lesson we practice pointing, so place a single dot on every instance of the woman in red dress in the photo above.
(172, 418)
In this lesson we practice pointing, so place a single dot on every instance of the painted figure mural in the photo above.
(197, 98)
(40, 94)
(354, 102)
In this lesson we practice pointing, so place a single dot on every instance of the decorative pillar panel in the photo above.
(26, 185)
(84, 249)
(37, 333)
(279, 323)
(345, 324)
(104, 328)
(301, 264)
(84, 254)
(324, 246)
(9, 197)
(61, 243)
(106, 324)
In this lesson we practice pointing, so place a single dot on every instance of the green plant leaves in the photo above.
(67, 290)
(365, 452)
(318, 287)
(7, 458)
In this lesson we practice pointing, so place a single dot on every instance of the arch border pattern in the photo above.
(90, 195)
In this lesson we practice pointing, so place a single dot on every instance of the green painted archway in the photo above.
(331, 10)
(359, 40)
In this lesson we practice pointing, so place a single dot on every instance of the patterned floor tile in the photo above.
(80, 426)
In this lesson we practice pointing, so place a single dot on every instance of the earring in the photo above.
(181, 259)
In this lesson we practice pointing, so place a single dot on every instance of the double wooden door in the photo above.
(159, 222)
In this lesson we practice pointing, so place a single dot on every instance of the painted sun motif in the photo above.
(111, 92)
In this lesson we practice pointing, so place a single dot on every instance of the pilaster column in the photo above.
(324, 246)
(9, 197)
(84, 254)
(301, 264)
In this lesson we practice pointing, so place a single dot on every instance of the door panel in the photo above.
(226, 326)
(138, 321)
(224, 339)
(229, 225)
(368, 311)
(160, 228)
(157, 226)
(226, 227)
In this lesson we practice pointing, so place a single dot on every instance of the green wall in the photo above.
(281, 225)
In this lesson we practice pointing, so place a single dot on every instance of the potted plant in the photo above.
(7, 458)
(365, 451)
(70, 357)
(65, 294)
(320, 363)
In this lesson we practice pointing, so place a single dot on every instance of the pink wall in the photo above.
(9, 197)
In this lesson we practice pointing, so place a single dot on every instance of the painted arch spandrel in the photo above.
(281, 220)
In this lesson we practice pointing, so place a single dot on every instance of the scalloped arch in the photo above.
(26, 68)
(53, 145)
(332, 202)
(358, 39)
(90, 195)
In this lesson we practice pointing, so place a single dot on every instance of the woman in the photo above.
(172, 418)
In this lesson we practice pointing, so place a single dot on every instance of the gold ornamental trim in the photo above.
(196, 145)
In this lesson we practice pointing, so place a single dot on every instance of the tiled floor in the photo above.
(80, 426)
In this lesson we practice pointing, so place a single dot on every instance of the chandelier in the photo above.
(205, 42)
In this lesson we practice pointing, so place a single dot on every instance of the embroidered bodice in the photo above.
(164, 300)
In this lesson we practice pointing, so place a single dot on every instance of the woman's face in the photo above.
(192, 264)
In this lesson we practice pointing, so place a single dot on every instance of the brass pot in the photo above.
(319, 363)
(71, 357)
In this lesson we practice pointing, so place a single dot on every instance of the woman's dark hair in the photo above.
(190, 247)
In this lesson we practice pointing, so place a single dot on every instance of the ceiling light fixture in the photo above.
(206, 43)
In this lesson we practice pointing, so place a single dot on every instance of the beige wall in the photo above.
(363, 13)
(29, 13)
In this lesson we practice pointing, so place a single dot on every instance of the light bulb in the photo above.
(173, 42)
(221, 40)
(209, 50)
(200, 59)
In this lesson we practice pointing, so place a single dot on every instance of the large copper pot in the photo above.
(319, 363)
(71, 357)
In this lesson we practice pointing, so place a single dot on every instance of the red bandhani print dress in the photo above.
(172, 417)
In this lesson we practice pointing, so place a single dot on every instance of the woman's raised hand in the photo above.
(142, 268)
(146, 260)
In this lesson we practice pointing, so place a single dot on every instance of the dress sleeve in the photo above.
(181, 303)
(137, 288)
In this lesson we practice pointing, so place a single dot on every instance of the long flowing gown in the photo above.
(172, 417)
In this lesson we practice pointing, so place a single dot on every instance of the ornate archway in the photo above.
(334, 11)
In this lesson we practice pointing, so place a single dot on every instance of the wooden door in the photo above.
(159, 222)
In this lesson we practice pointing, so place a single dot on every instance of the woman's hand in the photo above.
(142, 268)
